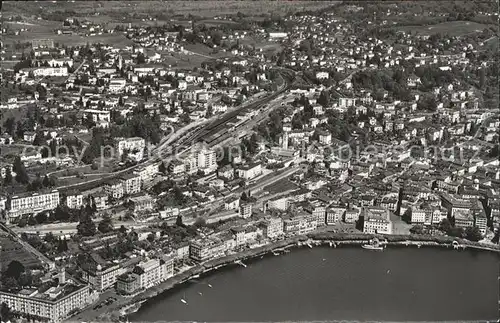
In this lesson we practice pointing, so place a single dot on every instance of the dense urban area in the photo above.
(139, 143)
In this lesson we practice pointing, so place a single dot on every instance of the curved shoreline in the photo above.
(325, 238)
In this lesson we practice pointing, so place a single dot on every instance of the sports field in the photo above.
(450, 28)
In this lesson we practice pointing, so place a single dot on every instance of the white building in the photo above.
(74, 200)
(27, 203)
(117, 85)
(377, 223)
(272, 227)
(55, 304)
(322, 75)
(249, 171)
(325, 138)
(203, 159)
(97, 115)
(278, 35)
(134, 147)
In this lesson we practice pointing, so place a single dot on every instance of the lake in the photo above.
(348, 283)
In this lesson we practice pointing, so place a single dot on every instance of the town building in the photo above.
(131, 184)
(134, 147)
(377, 222)
(31, 203)
(203, 249)
(54, 304)
(145, 275)
(272, 227)
(74, 200)
(302, 223)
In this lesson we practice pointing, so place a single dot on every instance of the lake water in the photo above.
(348, 283)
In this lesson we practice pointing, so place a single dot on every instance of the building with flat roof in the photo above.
(145, 275)
(54, 304)
(31, 203)
(377, 222)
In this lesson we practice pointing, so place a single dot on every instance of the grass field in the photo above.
(115, 39)
(199, 8)
(450, 28)
(12, 250)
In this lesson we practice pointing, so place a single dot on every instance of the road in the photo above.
(69, 227)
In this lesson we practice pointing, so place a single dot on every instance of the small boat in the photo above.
(388, 270)
(209, 285)
(183, 299)
(374, 244)
(200, 293)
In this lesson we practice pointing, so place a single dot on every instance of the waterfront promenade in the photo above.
(126, 305)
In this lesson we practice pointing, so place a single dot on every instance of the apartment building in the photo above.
(117, 85)
(300, 224)
(272, 227)
(100, 274)
(145, 275)
(202, 159)
(131, 184)
(454, 204)
(176, 167)
(206, 248)
(74, 200)
(351, 216)
(417, 215)
(97, 115)
(133, 146)
(317, 209)
(245, 210)
(54, 304)
(249, 171)
(27, 203)
(114, 188)
(377, 222)
(334, 214)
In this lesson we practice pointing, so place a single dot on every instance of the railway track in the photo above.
(219, 125)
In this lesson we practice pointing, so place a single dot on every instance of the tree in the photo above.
(473, 234)
(5, 313)
(106, 225)
(178, 221)
(86, 227)
(14, 269)
(22, 222)
(445, 225)
(21, 174)
(417, 229)
(428, 103)
(62, 245)
(324, 99)
(41, 217)
(9, 125)
(32, 221)
(8, 176)
(162, 169)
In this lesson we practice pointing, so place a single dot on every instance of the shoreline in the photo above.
(313, 239)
